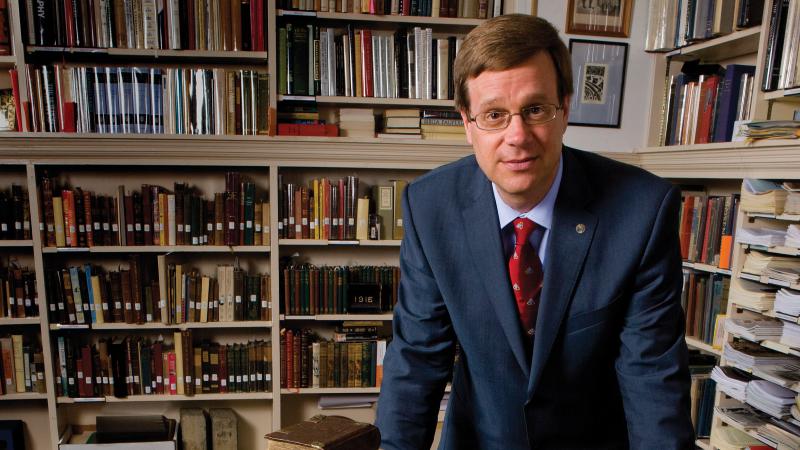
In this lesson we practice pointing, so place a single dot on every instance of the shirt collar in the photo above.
(542, 213)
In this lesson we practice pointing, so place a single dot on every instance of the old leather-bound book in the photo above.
(326, 433)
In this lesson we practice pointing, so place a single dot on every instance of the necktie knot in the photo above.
(523, 227)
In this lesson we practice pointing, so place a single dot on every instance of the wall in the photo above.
(638, 80)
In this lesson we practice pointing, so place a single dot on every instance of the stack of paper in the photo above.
(786, 375)
(745, 355)
(757, 263)
(781, 433)
(754, 329)
(771, 129)
(787, 302)
(791, 335)
(747, 417)
(731, 381)
(770, 398)
(762, 196)
(783, 273)
(792, 205)
(792, 235)
(761, 236)
(752, 295)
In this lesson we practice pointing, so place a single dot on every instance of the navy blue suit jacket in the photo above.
(608, 367)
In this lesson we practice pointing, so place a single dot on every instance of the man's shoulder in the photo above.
(609, 172)
(449, 174)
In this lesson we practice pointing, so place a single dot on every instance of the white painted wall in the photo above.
(638, 81)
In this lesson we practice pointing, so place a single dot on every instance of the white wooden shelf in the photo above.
(326, 242)
(7, 60)
(23, 396)
(787, 217)
(706, 268)
(729, 46)
(189, 55)
(703, 443)
(696, 343)
(351, 17)
(337, 317)
(19, 321)
(160, 326)
(168, 398)
(791, 95)
(161, 249)
(380, 101)
(778, 249)
(749, 432)
(316, 391)
(16, 243)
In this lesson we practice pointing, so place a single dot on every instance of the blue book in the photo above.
(87, 270)
(728, 100)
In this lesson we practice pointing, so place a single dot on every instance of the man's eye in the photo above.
(494, 115)
(534, 110)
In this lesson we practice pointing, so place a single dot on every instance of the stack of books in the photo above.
(441, 124)
(401, 123)
(759, 263)
(762, 196)
(770, 398)
(356, 122)
(751, 295)
(754, 329)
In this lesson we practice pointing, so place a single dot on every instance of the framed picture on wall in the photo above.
(599, 17)
(598, 72)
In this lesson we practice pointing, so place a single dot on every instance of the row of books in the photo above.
(15, 214)
(473, 9)
(309, 361)
(175, 294)
(704, 299)
(425, 124)
(333, 209)
(701, 393)
(154, 215)
(22, 365)
(781, 57)
(135, 365)
(18, 296)
(677, 23)
(361, 62)
(310, 290)
(143, 100)
(147, 24)
(707, 228)
(704, 102)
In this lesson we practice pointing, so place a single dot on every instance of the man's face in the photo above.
(521, 159)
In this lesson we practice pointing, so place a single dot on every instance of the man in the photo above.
(556, 270)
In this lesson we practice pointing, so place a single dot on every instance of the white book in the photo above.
(150, 23)
(428, 63)
(230, 293)
(786, 60)
(331, 63)
(315, 365)
(392, 67)
(173, 232)
(377, 65)
(419, 61)
(348, 75)
(313, 61)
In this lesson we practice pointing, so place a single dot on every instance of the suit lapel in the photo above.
(570, 238)
(484, 243)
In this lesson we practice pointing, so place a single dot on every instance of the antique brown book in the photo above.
(326, 433)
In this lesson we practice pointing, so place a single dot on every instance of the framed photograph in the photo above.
(599, 17)
(598, 72)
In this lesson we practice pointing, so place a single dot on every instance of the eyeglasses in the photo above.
(531, 115)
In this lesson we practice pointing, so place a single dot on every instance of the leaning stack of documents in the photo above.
(731, 381)
(784, 435)
(746, 355)
(757, 263)
(761, 236)
(790, 335)
(784, 273)
(792, 236)
(771, 129)
(786, 375)
(787, 303)
(754, 329)
(752, 295)
(770, 398)
(729, 438)
(792, 204)
(762, 196)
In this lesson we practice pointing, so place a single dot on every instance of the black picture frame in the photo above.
(598, 74)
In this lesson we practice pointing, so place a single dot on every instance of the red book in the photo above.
(289, 358)
(342, 195)
(18, 105)
(192, 41)
(69, 22)
(87, 208)
(366, 65)
(406, 8)
(173, 377)
(70, 224)
(315, 129)
(704, 248)
(158, 369)
(686, 225)
(708, 100)
(86, 359)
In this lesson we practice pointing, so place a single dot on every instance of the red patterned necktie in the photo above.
(525, 271)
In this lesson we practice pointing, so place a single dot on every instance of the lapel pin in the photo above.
(580, 228)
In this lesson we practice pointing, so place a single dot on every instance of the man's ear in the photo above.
(465, 120)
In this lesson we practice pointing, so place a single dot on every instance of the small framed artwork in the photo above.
(599, 17)
(598, 72)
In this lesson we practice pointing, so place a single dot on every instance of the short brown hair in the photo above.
(505, 42)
